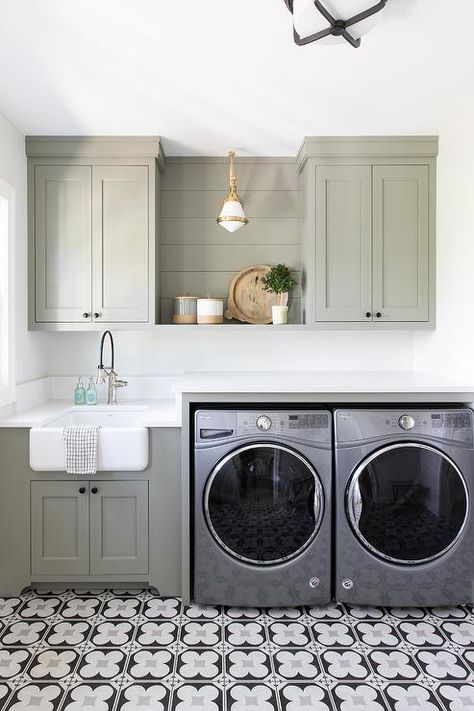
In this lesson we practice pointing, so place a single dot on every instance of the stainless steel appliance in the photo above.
(404, 488)
(262, 507)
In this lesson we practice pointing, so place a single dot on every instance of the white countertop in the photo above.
(166, 411)
(156, 413)
(344, 382)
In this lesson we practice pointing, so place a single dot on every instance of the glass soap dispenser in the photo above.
(91, 393)
(79, 393)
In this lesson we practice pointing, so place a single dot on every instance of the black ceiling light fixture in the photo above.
(315, 20)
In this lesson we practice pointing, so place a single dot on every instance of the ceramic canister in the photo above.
(185, 309)
(210, 310)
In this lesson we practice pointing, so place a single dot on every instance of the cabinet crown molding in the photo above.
(95, 147)
(371, 147)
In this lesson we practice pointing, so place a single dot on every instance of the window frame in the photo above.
(7, 296)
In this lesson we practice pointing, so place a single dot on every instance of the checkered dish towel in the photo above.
(81, 448)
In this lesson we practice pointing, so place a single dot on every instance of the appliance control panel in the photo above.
(301, 424)
(357, 425)
(310, 425)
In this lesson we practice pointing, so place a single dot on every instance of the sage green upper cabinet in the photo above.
(343, 262)
(369, 231)
(62, 216)
(120, 260)
(91, 223)
(401, 242)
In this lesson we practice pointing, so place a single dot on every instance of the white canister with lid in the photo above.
(210, 310)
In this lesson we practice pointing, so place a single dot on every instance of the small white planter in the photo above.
(279, 314)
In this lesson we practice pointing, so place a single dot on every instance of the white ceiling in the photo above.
(208, 75)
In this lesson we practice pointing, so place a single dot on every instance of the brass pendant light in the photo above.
(232, 215)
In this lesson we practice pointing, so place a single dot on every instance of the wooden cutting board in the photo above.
(248, 302)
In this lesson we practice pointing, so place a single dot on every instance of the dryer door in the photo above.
(407, 503)
(263, 503)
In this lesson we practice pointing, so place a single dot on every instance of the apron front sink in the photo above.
(122, 443)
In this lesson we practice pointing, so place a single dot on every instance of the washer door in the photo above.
(407, 503)
(263, 503)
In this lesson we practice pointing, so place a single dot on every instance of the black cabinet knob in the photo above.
(94, 490)
(368, 314)
(85, 315)
(378, 314)
(96, 315)
(82, 490)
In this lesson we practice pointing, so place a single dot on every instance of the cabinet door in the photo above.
(59, 527)
(343, 243)
(62, 205)
(119, 527)
(401, 242)
(120, 243)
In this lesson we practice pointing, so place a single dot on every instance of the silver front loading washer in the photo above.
(262, 507)
(404, 492)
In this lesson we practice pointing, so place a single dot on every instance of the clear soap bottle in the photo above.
(79, 393)
(91, 393)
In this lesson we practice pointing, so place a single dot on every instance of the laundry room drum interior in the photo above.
(264, 503)
(407, 503)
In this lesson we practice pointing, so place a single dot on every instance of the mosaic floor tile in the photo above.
(344, 664)
(156, 634)
(251, 697)
(132, 650)
(144, 697)
(411, 697)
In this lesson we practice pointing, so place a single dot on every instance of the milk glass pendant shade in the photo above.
(232, 214)
(333, 20)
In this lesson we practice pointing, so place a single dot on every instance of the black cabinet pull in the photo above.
(96, 315)
(82, 490)
(378, 314)
(85, 315)
(368, 314)
(94, 490)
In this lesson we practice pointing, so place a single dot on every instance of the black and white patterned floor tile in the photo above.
(131, 650)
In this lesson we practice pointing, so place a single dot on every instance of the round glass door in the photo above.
(407, 503)
(263, 503)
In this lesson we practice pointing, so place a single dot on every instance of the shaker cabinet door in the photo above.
(62, 243)
(119, 527)
(343, 243)
(401, 243)
(120, 217)
(59, 528)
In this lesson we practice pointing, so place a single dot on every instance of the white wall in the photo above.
(450, 349)
(276, 350)
(31, 348)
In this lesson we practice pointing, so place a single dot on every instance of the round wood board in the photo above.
(248, 302)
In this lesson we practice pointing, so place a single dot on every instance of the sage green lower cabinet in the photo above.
(118, 527)
(89, 527)
(59, 527)
(112, 530)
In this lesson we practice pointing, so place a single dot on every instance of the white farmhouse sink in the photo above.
(122, 445)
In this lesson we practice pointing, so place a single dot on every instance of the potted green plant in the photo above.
(278, 280)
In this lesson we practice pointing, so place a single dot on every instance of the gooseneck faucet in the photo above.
(108, 372)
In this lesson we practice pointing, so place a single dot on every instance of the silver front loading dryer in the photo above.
(262, 507)
(404, 492)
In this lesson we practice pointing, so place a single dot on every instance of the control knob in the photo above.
(406, 422)
(264, 423)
